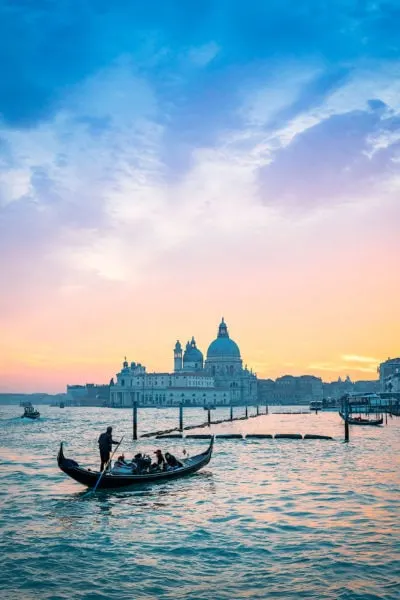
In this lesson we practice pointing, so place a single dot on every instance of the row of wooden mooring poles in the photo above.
(207, 423)
(345, 409)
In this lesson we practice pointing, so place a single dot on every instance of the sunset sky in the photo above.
(167, 163)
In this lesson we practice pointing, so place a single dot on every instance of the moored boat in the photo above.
(361, 421)
(114, 481)
(316, 405)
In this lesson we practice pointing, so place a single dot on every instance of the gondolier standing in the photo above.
(105, 446)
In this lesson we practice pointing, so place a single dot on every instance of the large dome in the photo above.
(223, 346)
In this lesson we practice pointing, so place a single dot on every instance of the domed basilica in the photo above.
(223, 363)
(219, 380)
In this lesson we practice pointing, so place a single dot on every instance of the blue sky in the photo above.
(190, 138)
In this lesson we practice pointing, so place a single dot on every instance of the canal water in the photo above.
(283, 519)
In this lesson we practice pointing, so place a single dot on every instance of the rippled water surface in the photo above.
(265, 519)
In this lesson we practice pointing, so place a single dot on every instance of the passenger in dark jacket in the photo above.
(172, 461)
(105, 446)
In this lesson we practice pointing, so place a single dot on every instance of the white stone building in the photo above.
(392, 382)
(391, 366)
(220, 380)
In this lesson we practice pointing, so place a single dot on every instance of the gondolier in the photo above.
(105, 446)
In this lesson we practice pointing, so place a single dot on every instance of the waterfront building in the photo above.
(297, 390)
(265, 391)
(392, 382)
(366, 386)
(307, 388)
(219, 380)
(336, 389)
(387, 368)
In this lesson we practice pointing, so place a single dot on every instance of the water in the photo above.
(265, 519)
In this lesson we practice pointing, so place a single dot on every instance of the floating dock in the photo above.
(250, 436)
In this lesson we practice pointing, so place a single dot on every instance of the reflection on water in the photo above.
(266, 518)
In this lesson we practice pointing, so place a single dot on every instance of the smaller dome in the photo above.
(192, 353)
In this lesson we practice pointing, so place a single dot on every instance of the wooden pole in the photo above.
(247, 412)
(209, 416)
(258, 410)
(181, 416)
(231, 412)
(346, 419)
(135, 420)
(346, 430)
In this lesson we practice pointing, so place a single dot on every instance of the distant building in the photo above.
(89, 394)
(219, 380)
(336, 389)
(266, 389)
(290, 390)
(298, 390)
(307, 388)
(367, 387)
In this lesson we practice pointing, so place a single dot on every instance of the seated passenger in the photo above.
(172, 461)
(123, 467)
(143, 463)
(120, 462)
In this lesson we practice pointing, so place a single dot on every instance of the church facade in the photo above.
(219, 380)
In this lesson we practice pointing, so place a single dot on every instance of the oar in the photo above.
(105, 468)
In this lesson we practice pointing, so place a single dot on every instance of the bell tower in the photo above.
(177, 357)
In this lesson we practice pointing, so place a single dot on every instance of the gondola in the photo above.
(360, 421)
(109, 481)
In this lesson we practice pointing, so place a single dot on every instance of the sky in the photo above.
(167, 163)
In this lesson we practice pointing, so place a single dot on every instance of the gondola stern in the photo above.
(209, 450)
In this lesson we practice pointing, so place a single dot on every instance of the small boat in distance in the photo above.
(316, 405)
(114, 481)
(360, 421)
(30, 412)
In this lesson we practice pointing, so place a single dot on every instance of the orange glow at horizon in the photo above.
(298, 302)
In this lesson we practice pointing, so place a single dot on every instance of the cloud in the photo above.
(203, 55)
(96, 182)
(360, 359)
(129, 154)
(339, 368)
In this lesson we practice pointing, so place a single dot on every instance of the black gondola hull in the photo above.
(109, 481)
(353, 421)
